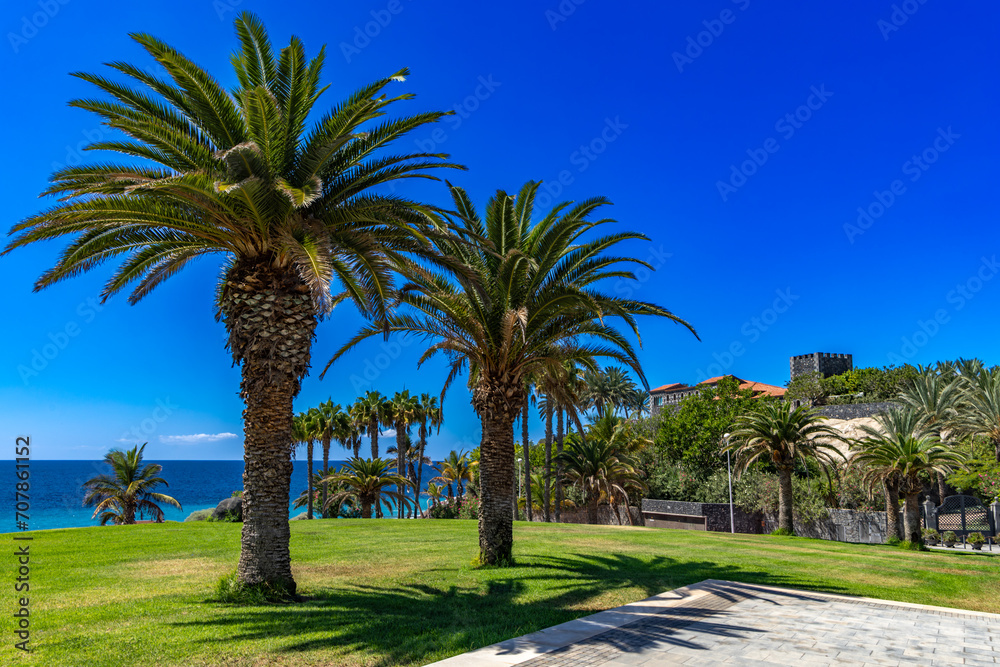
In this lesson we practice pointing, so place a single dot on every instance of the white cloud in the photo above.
(195, 438)
(388, 433)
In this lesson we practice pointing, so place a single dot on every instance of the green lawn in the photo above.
(406, 592)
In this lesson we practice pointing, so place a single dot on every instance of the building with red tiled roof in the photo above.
(672, 394)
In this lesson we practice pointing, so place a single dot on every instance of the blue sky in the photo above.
(812, 178)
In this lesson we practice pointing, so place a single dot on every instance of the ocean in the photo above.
(56, 493)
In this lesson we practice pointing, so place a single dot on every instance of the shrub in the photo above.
(893, 541)
(229, 517)
(199, 515)
(950, 537)
(976, 538)
(930, 534)
(469, 509)
(231, 590)
(782, 532)
(911, 546)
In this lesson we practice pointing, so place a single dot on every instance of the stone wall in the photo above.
(606, 516)
(699, 516)
(854, 410)
(840, 526)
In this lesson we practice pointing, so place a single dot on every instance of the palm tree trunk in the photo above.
(357, 446)
(400, 469)
(366, 510)
(559, 465)
(309, 483)
(420, 464)
(547, 493)
(785, 500)
(373, 435)
(527, 459)
(911, 518)
(592, 504)
(270, 319)
(326, 468)
(942, 488)
(496, 483)
(891, 508)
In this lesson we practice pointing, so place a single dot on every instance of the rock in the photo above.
(199, 515)
(227, 506)
(304, 515)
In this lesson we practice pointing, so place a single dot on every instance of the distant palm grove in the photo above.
(512, 295)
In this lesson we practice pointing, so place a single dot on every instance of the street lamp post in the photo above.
(729, 469)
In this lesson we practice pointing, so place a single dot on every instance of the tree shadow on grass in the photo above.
(414, 623)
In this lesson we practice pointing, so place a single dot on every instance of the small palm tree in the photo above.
(128, 490)
(935, 399)
(306, 428)
(433, 492)
(455, 469)
(370, 482)
(331, 423)
(292, 211)
(773, 431)
(978, 411)
(601, 470)
(901, 443)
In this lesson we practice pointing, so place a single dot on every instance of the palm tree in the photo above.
(369, 481)
(430, 415)
(935, 399)
(519, 290)
(526, 449)
(978, 411)
(402, 410)
(609, 388)
(306, 427)
(433, 492)
(774, 431)
(330, 422)
(901, 443)
(455, 469)
(128, 489)
(373, 409)
(356, 426)
(293, 211)
(602, 471)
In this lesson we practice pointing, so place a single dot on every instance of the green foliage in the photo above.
(950, 536)
(976, 538)
(910, 546)
(231, 590)
(980, 477)
(782, 532)
(691, 435)
(237, 494)
(758, 492)
(229, 517)
(930, 533)
(807, 387)
(893, 541)
(199, 515)
(867, 385)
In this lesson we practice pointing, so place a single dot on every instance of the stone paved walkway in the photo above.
(719, 622)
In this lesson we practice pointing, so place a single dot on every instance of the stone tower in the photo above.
(821, 362)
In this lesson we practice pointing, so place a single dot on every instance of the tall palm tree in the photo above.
(978, 411)
(935, 398)
(901, 442)
(433, 492)
(602, 470)
(237, 174)
(402, 412)
(370, 482)
(774, 431)
(306, 428)
(374, 410)
(519, 290)
(128, 489)
(356, 424)
(329, 421)
(430, 415)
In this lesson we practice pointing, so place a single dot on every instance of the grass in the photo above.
(406, 592)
